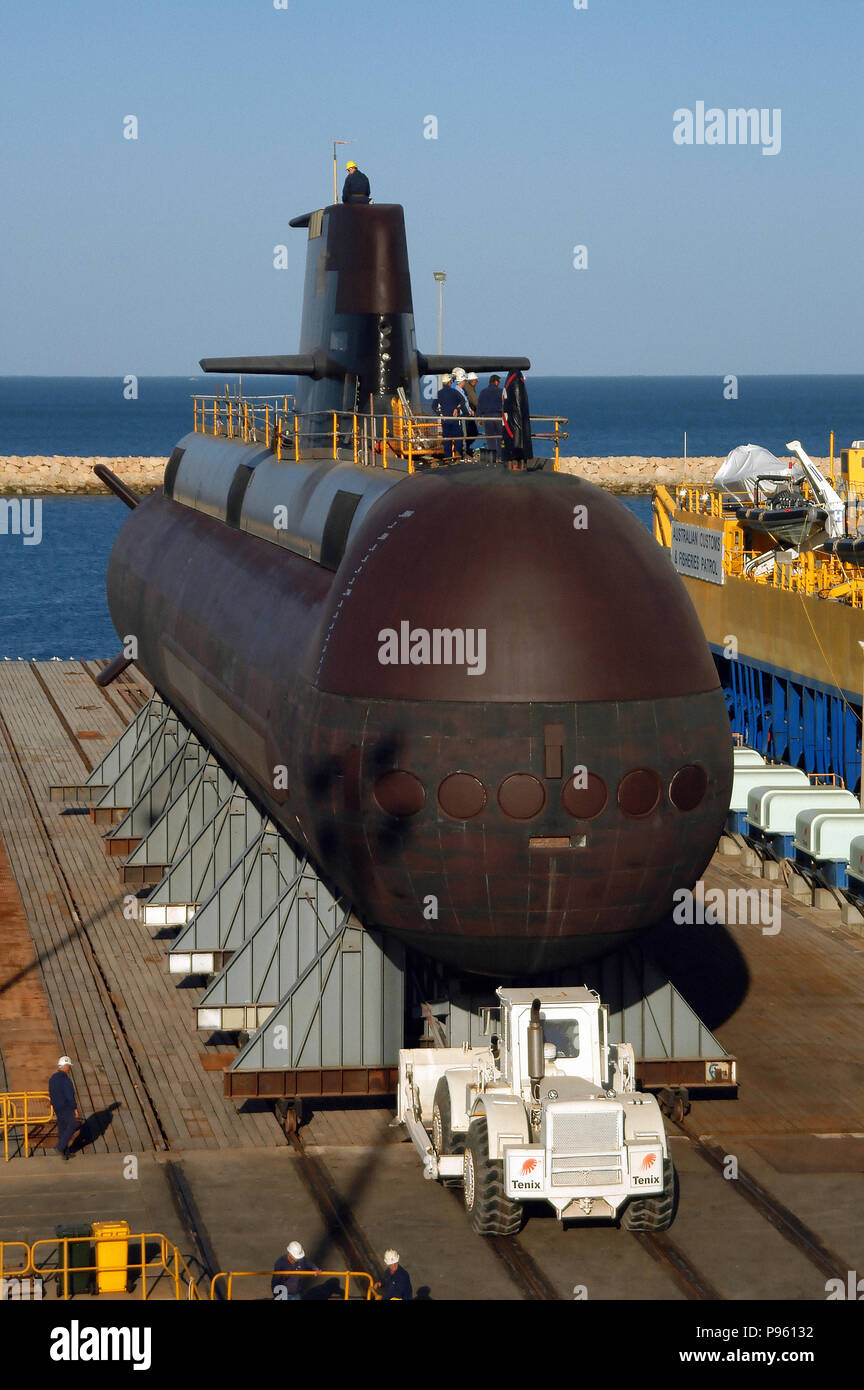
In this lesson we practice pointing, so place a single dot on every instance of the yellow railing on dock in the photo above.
(362, 1279)
(23, 1110)
(20, 1267)
(400, 438)
(150, 1259)
(158, 1258)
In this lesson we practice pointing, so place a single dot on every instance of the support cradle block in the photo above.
(156, 742)
(136, 733)
(118, 847)
(825, 900)
(168, 914)
(799, 887)
(142, 875)
(108, 815)
(163, 787)
(310, 1082)
(344, 1011)
(80, 794)
(728, 846)
(697, 1073)
(216, 1061)
(192, 803)
(276, 951)
(225, 838)
(240, 900)
(852, 917)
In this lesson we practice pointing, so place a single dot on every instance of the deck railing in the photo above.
(222, 1284)
(24, 1110)
(812, 573)
(52, 1258)
(388, 440)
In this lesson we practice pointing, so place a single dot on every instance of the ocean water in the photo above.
(52, 595)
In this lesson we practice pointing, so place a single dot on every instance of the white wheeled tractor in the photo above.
(547, 1112)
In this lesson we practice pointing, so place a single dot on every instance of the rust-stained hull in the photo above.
(443, 803)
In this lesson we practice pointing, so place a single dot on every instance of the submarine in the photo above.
(477, 698)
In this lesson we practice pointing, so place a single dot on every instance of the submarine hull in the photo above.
(523, 809)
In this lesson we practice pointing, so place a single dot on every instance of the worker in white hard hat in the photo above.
(356, 188)
(289, 1283)
(396, 1283)
(452, 404)
(65, 1106)
(468, 429)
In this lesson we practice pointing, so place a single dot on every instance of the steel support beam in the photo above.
(232, 829)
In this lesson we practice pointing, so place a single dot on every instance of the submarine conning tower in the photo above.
(357, 309)
(357, 339)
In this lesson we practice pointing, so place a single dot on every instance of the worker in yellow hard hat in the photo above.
(356, 186)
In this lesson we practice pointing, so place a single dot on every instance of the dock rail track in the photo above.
(770, 1208)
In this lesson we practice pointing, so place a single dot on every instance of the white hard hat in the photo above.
(65, 1062)
(391, 1257)
(458, 374)
(445, 379)
(472, 376)
(295, 1250)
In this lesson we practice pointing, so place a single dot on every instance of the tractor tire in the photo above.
(654, 1213)
(488, 1208)
(444, 1140)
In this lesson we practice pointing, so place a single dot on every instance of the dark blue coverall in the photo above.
(449, 399)
(396, 1285)
(489, 403)
(290, 1283)
(62, 1094)
(355, 189)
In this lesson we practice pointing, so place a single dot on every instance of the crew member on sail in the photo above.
(355, 189)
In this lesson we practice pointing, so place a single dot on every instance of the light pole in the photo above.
(440, 276)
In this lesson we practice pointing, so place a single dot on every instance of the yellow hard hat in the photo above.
(350, 164)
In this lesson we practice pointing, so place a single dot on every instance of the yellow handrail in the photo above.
(15, 1110)
(347, 1274)
(400, 435)
(169, 1262)
(811, 573)
(17, 1270)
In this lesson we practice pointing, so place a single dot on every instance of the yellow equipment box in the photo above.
(852, 465)
(112, 1255)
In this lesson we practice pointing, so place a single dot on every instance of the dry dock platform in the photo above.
(771, 1182)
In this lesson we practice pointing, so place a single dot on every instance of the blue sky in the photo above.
(555, 129)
